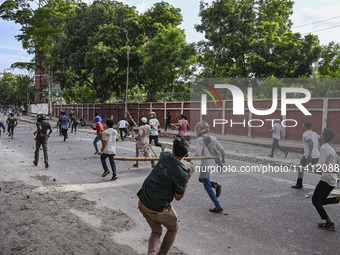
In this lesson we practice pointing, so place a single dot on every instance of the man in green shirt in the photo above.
(167, 180)
(12, 122)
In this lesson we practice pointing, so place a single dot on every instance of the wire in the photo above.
(317, 22)
(321, 30)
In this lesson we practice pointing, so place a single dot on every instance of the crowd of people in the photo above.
(169, 178)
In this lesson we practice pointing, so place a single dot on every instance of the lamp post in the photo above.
(127, 70)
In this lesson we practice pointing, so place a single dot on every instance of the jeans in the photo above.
(208, 185)
(103, 158)
(167, 218)
(10, 130)
(95, 141)
(155, 138)
(64, 133)
(74, 126)
(321, 192)
(121, 130)
(304, 162)
(277, 145)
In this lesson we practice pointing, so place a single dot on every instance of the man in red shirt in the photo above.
(100, 129)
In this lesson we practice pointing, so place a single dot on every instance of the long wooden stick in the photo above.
(138, 129)
(174, 125)
(155, 159)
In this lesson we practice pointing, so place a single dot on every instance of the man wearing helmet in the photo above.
(207, 146)
(142, 146)
(154, 125)
(64, 123)
(41, 138)
(12, 122)
(99, 128)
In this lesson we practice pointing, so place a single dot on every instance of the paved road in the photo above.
(262, 214)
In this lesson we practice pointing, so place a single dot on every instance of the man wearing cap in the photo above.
(41, 138)
(99, 128)
(142, 141)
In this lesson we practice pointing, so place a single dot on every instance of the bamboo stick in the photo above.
(138, 129)
(156, 158)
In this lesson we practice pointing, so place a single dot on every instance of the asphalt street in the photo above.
(262, 213)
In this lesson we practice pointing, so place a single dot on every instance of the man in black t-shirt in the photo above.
(41, 138)
(167, 180)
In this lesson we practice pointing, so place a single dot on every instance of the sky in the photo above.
(305, 12)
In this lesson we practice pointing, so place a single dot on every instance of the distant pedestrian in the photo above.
(3, 127)
(58, 124)
(311, 154)
(64, 123)
(142, 141)
(167, 180)
(99, 128)
(74, 123)
(12, 122)
(41, 138)
(276, 134)
(97, 117)
(154, 125)
(108, 149)
(207, 146)
(329, 164)
(168, 121)
(183, 126)
(122, 126)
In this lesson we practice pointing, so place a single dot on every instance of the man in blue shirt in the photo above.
(64, 123)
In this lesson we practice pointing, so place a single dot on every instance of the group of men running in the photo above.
(169, 178)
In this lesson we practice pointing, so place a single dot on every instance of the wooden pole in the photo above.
(138, 129)
(156, 158)
(174, 125)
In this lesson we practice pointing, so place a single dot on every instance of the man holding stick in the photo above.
(142, 143)
(167, 180)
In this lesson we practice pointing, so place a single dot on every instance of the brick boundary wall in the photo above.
(325, 113)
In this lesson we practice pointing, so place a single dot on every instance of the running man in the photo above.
(41, 138)
(311, 154)
(12, 122)
(142, 143)
(64, 123)
(99, 128)
(276, 133)
(3, 127)
(207, 146)
(329, 163)
(154, 125)
(108, 149)
(122, 126)
(167, 180)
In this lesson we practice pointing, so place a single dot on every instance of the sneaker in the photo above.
(35, 163)
(218, 190)
(105, 173)
(135, 165)
(297, 187)
(46, 165)
(114, 178)
(216, 209)
(270, 156)
(96, 152)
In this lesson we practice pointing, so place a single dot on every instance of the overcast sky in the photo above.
(305, 12)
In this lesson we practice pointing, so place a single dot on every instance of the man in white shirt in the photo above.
(311, 154)
(154, 124)
(329, 165)
(108, 149)
(122, 125)
(276, 133)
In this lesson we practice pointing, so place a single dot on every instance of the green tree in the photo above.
(329, 62)
(253, 38)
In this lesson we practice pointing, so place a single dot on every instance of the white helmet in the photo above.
(152, 115)
(144, 120)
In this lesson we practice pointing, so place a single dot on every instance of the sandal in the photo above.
(327, 226)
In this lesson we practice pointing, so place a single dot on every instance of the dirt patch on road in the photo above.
(48, 220)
